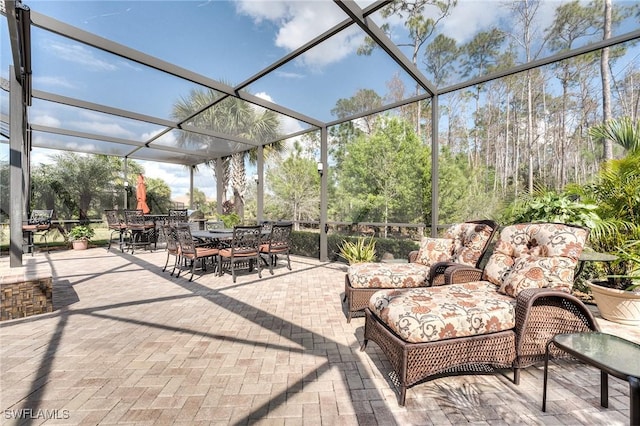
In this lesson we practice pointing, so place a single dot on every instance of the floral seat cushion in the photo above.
(437, 313)
(387, 275)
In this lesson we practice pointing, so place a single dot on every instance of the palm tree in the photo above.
(622, 131)
(234, 117)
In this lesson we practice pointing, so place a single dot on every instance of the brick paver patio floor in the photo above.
(129, 344)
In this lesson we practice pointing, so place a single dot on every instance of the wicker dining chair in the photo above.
(243, 248)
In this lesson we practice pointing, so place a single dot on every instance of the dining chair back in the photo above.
(190, 251)
(244, 248)
(176, 216)
(173, 248)
(278, 243)
(140, 231)
(214, 224)
(116, 225)
(39, 223)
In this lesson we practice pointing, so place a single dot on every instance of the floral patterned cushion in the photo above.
(561, 243)
(470, 240)
(538, 272)
(444, 312)
(387, 275)
(434, 250)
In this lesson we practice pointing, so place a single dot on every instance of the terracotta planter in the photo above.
(617, 305)
(80, 244)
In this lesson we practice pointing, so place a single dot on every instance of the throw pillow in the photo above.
(527, 272)
(434, 250)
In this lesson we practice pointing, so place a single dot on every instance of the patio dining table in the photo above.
(211, 236)
(217, 235)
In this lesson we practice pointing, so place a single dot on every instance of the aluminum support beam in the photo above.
(260, 185)
(18, 160)
(324, 252)
(435, 161)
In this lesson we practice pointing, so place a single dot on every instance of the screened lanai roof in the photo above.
(106, 75)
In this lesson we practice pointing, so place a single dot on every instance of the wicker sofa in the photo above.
(501, 319)
(462, 244)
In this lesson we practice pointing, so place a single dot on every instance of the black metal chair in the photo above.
(140, 232)
(170, 235)
(39, 223)
(117, 227)
(243, 248)
(279, 243)
(214, 224)
(191, 252)
(177, 216)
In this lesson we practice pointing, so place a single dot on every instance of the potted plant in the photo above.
(618, 297)
(615, 191)
(358, 251)
(80, 236)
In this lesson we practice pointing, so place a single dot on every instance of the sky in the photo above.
(223, 40)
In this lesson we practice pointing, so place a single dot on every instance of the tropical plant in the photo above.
(622, 131)
(549, 206)
(615, 191)
(358, 251)
(230, 220)
(81, 232)
(630, 253)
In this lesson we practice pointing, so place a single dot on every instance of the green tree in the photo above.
(383, 173)
(481, 55)
(199, 199)
(420, 18)
(295, 185)
(232, 116)
(158, 195)
(80, 184)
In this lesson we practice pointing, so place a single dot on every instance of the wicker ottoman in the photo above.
(364, 279)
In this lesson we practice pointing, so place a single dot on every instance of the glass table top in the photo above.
(603, 350)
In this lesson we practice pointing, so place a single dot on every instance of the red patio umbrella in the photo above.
(141, 195)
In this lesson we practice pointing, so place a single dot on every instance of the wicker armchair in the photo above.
(467, 242)
(535, 303)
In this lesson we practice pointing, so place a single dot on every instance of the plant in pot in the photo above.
(80, 236)
(358, 251)
(615, 192)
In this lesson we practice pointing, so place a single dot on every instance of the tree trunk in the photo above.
(604, 71)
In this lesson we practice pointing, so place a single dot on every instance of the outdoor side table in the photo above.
(611, 355)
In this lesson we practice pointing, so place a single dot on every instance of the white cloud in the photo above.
(78, 54)
(470, 17)
(288, 125)
(45, 120)
(50, 81)
(299, 21)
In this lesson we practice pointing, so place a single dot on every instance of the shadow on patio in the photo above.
(128, 343)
